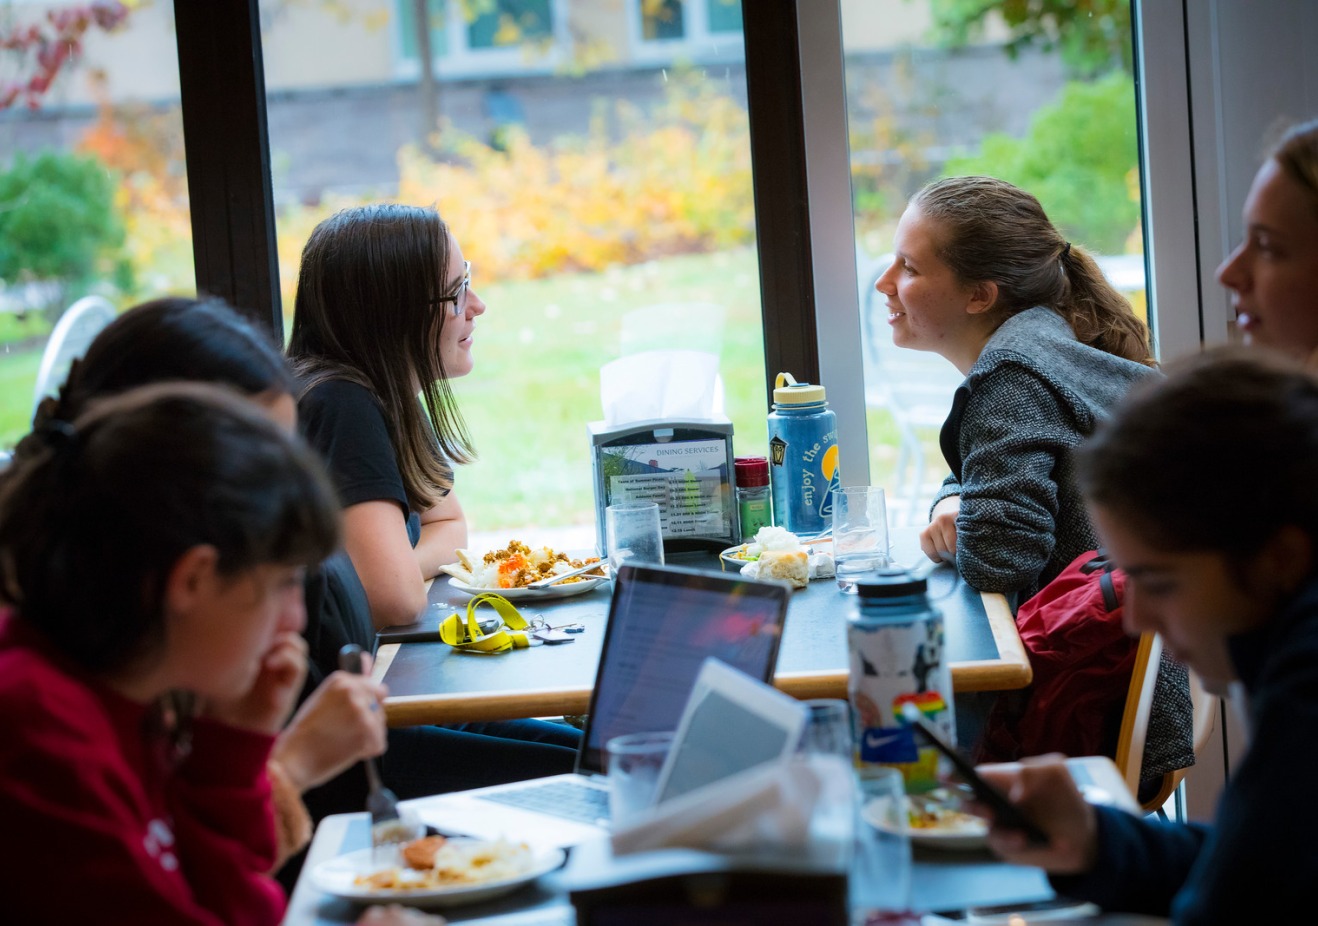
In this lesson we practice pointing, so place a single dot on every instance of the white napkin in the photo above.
(661, 385)
(803, 805)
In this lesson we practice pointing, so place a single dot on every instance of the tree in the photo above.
(1079, 158)
(36, 52)
(1093, 36)
(57, 218)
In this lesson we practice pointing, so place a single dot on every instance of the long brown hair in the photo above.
(1162, 453)
(1297, 154)
(987, 229)
(367, 311)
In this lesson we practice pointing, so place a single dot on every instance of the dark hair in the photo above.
(367, 311)
(1297, 154)
(91, 525)
(194, 340)
(988, 229)
(1217, 456)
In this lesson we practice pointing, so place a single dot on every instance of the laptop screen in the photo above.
(664, 622)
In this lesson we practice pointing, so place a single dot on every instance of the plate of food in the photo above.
(510, 570)
(778, 554)
(935, 820)
(435, 872)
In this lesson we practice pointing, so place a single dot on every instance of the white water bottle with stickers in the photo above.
(896, 656)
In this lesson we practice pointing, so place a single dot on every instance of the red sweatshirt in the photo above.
(98, 830)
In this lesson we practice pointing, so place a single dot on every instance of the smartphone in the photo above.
(1005, 813)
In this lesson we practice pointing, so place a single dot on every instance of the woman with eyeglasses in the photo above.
(384, 312)
(384, 318)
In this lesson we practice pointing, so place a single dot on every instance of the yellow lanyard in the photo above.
(469, 639)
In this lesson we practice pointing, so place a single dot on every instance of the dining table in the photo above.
(432, 683)
(940, 881)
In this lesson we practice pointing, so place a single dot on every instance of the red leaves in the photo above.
(46, 48)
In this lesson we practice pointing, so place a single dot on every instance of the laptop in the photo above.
(664, 622)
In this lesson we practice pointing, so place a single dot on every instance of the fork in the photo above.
(554, 579)
(388, 825)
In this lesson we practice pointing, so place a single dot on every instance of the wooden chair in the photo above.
(1135, 721)
(69, 340)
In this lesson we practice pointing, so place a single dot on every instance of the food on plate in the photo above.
(792, 566)
(777, 553)
(766, 539)
(937, 811)
(420, 853)
(435, 862)
(516, 566)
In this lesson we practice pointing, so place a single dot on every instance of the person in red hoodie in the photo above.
(152, 559)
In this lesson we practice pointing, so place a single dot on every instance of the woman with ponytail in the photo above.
(983, 278)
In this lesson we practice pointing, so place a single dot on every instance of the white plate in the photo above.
(561, 590)
(336, 877)
(970, 835)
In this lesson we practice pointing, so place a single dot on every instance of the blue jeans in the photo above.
(431, 759)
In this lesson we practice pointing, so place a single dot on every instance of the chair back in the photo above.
(69, 340)
(1135, 721)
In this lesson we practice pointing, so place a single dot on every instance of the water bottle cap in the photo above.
(787, 391)
(752, 471)
(892, 583)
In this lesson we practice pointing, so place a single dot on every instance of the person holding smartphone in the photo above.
(1202, 489)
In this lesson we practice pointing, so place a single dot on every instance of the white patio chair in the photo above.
(69, 340)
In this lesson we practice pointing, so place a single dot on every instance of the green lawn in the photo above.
(18, 375)
(538, 351)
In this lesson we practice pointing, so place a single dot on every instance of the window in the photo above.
(605, 204)
(501, 36)
(933, 90)
(93, 188)
(705, 30)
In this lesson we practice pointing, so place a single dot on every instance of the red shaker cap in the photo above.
(752, 471)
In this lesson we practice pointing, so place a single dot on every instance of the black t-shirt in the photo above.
(345, 423)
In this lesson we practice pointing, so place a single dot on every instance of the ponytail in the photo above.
(988, 229)
(1099, 315)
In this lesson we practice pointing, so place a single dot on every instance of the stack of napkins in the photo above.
(800, 807)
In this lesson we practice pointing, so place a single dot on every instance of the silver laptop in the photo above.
(664, 622)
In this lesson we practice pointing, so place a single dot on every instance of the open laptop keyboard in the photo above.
(573, 800)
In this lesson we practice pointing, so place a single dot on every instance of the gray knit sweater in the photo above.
(1034, 393)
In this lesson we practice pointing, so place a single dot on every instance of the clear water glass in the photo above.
(632, 763)
(633, 534)
(860, 534)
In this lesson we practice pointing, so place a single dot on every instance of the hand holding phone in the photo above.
(1005, 813)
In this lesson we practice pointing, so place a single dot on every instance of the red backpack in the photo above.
(1082, 661)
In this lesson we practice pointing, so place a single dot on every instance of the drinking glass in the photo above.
(827, 728)
(632, 763)
(860, 534)
(881, 875)
(633, 534)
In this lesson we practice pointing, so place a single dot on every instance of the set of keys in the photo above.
(552, 636)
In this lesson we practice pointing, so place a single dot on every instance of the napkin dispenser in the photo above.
(686, 467)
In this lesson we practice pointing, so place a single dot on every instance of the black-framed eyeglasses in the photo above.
(459, 298)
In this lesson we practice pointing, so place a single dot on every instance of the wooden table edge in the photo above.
(1011, 670)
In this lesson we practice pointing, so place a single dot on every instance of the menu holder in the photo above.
(686, 467)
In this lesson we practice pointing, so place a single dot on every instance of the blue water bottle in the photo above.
(896, 657)
(803, 456)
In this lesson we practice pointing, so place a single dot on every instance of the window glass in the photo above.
(604, 202)
(406, 24)
(725, 16)
(941, 88)
(93, 190)
(662, 19)
(509, 23)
